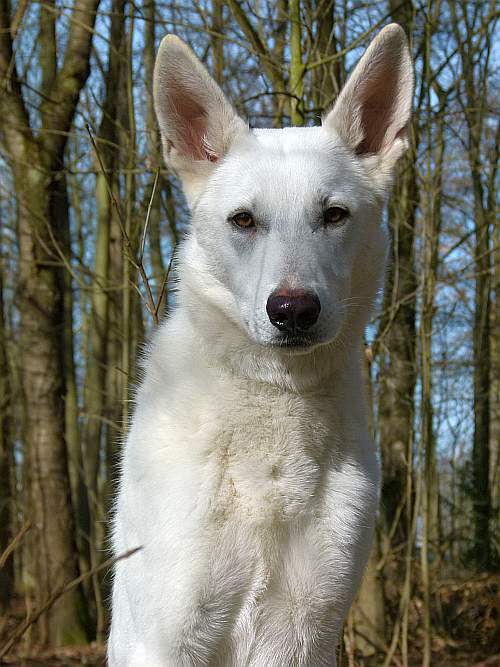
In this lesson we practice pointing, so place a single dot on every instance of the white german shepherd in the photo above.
(249, 477)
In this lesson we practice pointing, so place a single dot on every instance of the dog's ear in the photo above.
(373, 109)
(197, 123)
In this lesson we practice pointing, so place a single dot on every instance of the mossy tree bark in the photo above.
(6, 452)
(37, 161)
(97, 365)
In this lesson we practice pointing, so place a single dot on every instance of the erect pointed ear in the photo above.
(372, 111)
(197, 123)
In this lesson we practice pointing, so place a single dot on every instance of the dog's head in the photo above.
(287, 238)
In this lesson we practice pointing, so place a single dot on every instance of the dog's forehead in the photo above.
(294, 165)
(294, 141)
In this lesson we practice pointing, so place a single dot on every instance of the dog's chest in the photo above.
(274, 497)
(267, 457)
(289, 513)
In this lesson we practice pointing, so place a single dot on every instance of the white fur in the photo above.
(249, 477)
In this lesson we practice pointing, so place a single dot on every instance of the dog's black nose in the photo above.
(293, 311)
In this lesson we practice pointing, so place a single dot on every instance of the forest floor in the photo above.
(468, 635)
(94, 655)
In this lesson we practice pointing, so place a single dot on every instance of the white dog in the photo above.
(249, 477)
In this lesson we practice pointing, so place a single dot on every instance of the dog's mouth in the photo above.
(298, 343)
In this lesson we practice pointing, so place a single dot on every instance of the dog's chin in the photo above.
(290, 344)
(294, 345)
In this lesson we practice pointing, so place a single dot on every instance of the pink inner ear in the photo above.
(188, 119)
(378, 104)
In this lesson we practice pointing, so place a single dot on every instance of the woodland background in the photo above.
(89, 221)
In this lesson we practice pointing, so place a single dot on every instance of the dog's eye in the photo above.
(334, 215)
(243, 219)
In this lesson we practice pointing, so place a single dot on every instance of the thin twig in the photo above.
(14, 544)
(164, 285)
(133, 259)
(108, 185)
(148, 214)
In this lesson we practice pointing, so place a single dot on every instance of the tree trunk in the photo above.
(296, 84)
(41, 306)
(6, 455)
(369, 608)
(431, 223)
(327, 79)
(475, 49)
(397, 338)
(36, 163)
(495, 348)
(154, 143)
(97, 361)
